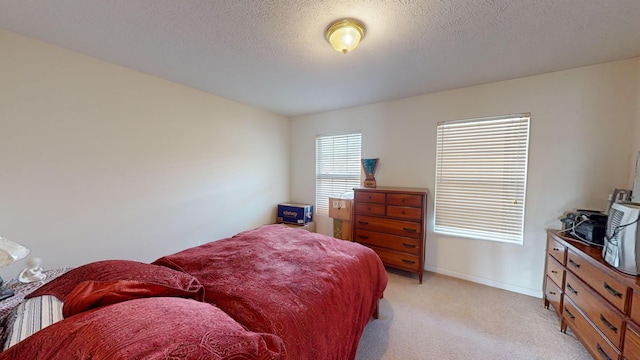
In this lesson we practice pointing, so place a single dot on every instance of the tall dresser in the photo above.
(391, 221)
(600, 304)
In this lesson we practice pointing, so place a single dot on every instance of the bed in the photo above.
(270, 293)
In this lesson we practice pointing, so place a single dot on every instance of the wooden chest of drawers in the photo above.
(391, 221)
(600, 304)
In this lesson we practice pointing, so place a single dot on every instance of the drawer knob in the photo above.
(571, 316)
(408, 261)
(601, 351)
(363, 222)
(554, 271)
(410, 246)
(572, 289)
(612, 291)
(556, 249)
(363, 237)
(608, 324)
(575, 264)
(552, 292)
(409, 230)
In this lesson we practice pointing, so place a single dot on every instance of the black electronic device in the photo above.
(593, 215)
(588, 226)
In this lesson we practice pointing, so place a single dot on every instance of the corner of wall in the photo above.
(635, 145)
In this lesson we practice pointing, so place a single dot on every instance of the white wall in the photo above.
(98, 161)
(580, 149)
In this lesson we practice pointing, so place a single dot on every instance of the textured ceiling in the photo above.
(272, 53)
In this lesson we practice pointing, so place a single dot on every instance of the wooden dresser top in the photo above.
(395, 189)
(595, 257)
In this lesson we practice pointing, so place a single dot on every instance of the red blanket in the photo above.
(315, 292)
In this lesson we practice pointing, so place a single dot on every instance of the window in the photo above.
(481, 176)
(337, 167)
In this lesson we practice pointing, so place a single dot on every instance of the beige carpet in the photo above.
(448, 318)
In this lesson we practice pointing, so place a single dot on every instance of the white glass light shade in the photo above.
(345, 35)
(10, 252)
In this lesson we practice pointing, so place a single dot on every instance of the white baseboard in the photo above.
(483, 281)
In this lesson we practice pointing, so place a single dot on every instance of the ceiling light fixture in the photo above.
(344, 35)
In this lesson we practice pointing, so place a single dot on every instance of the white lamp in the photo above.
(9, 252)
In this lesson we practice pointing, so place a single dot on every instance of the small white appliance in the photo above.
(622, 239)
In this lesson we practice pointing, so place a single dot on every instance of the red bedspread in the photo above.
(315, 292)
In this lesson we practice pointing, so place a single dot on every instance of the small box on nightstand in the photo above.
(294, 213)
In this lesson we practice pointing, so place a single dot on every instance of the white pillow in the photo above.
(33, 315)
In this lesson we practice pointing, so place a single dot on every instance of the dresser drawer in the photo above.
(555, 271)
(370, 197)
(369, 209)
(404, 200)
(394, 242)
(388, 226)
(634, 314)
(602, 315)
(605, 285)
(553, 294)
(398, 259)
(556, 249)
(409, 213)
(631, 343)
(598, 346)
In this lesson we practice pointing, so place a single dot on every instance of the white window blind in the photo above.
(337, 167)
(481, 176)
